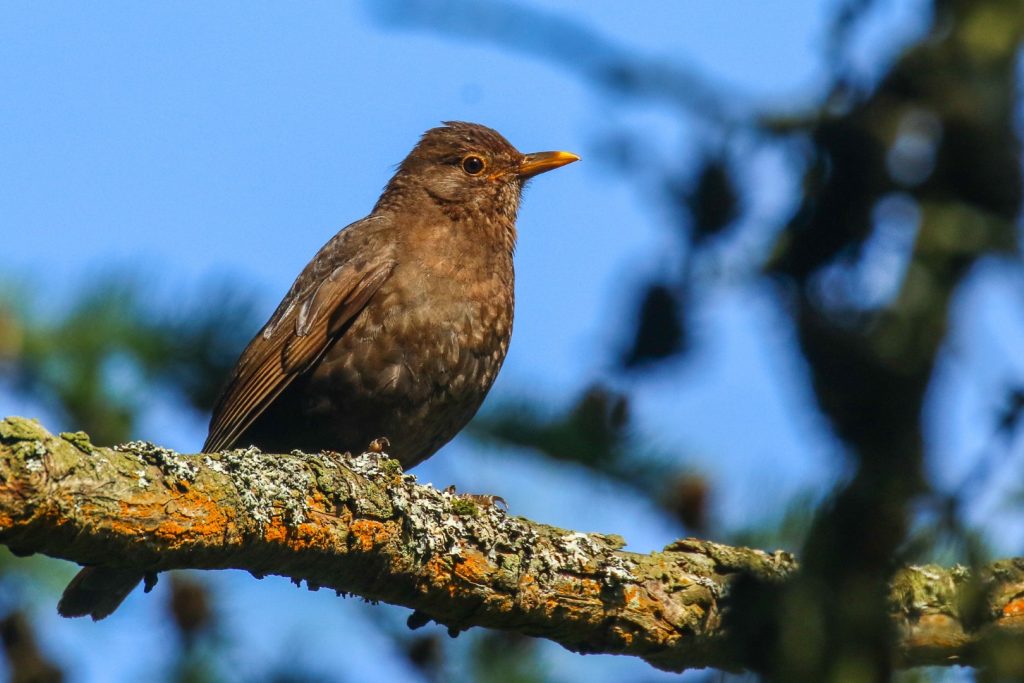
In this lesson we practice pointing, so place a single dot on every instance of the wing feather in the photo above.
(313, 315)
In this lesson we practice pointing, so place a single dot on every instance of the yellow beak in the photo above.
(541, 162)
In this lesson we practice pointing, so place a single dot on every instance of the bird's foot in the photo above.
(482, 499)
(379, 445)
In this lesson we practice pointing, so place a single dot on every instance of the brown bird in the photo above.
(397, 328)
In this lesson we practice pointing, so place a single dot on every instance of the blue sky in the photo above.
(197, 141)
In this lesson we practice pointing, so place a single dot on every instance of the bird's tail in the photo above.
(97, 591)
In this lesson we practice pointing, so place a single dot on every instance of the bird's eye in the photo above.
(473, 165)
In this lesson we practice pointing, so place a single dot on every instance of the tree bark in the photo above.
(360, 525)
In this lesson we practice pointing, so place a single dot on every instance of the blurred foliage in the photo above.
(506, 658)
(660, 327)
(591, 433)
(595, 433)
(97, 364)
(787, 531)
(26, 663)
(939, 129)
(191, 610)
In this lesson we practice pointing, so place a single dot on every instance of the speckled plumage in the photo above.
(413, 361)
(397, 328)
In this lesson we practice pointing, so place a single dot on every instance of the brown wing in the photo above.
(313, 314)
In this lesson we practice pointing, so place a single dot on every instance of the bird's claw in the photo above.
(379, 445)
(482, 499)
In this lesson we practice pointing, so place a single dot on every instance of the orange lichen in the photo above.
(368, 534)
(590, 588)
(276, 532)
(317, 502)
(317, 535)
(527, 593)
(636, 598)
(305, 536)
(936, 630)
(631, 596)
(1014, 608)
(171, 531)
(473, 566)
(184, 519)
(439, 574)
(133, 515)
(470, 567)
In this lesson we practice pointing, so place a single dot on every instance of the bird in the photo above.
(395, 330)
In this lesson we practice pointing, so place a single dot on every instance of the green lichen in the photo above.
(374, 501)
(705, 557)
(324, 473)
(926, 588)
(392, 467)
(509, 567)
(464, 507)
(21, 429)
(79, 440)
(31, 452)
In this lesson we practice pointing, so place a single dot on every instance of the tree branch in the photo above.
(359, 525)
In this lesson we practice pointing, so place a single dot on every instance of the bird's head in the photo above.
(468, 169)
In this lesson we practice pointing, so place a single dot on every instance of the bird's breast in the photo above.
(434, 331)
(415, 364)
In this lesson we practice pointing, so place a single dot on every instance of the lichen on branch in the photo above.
(360, 525)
